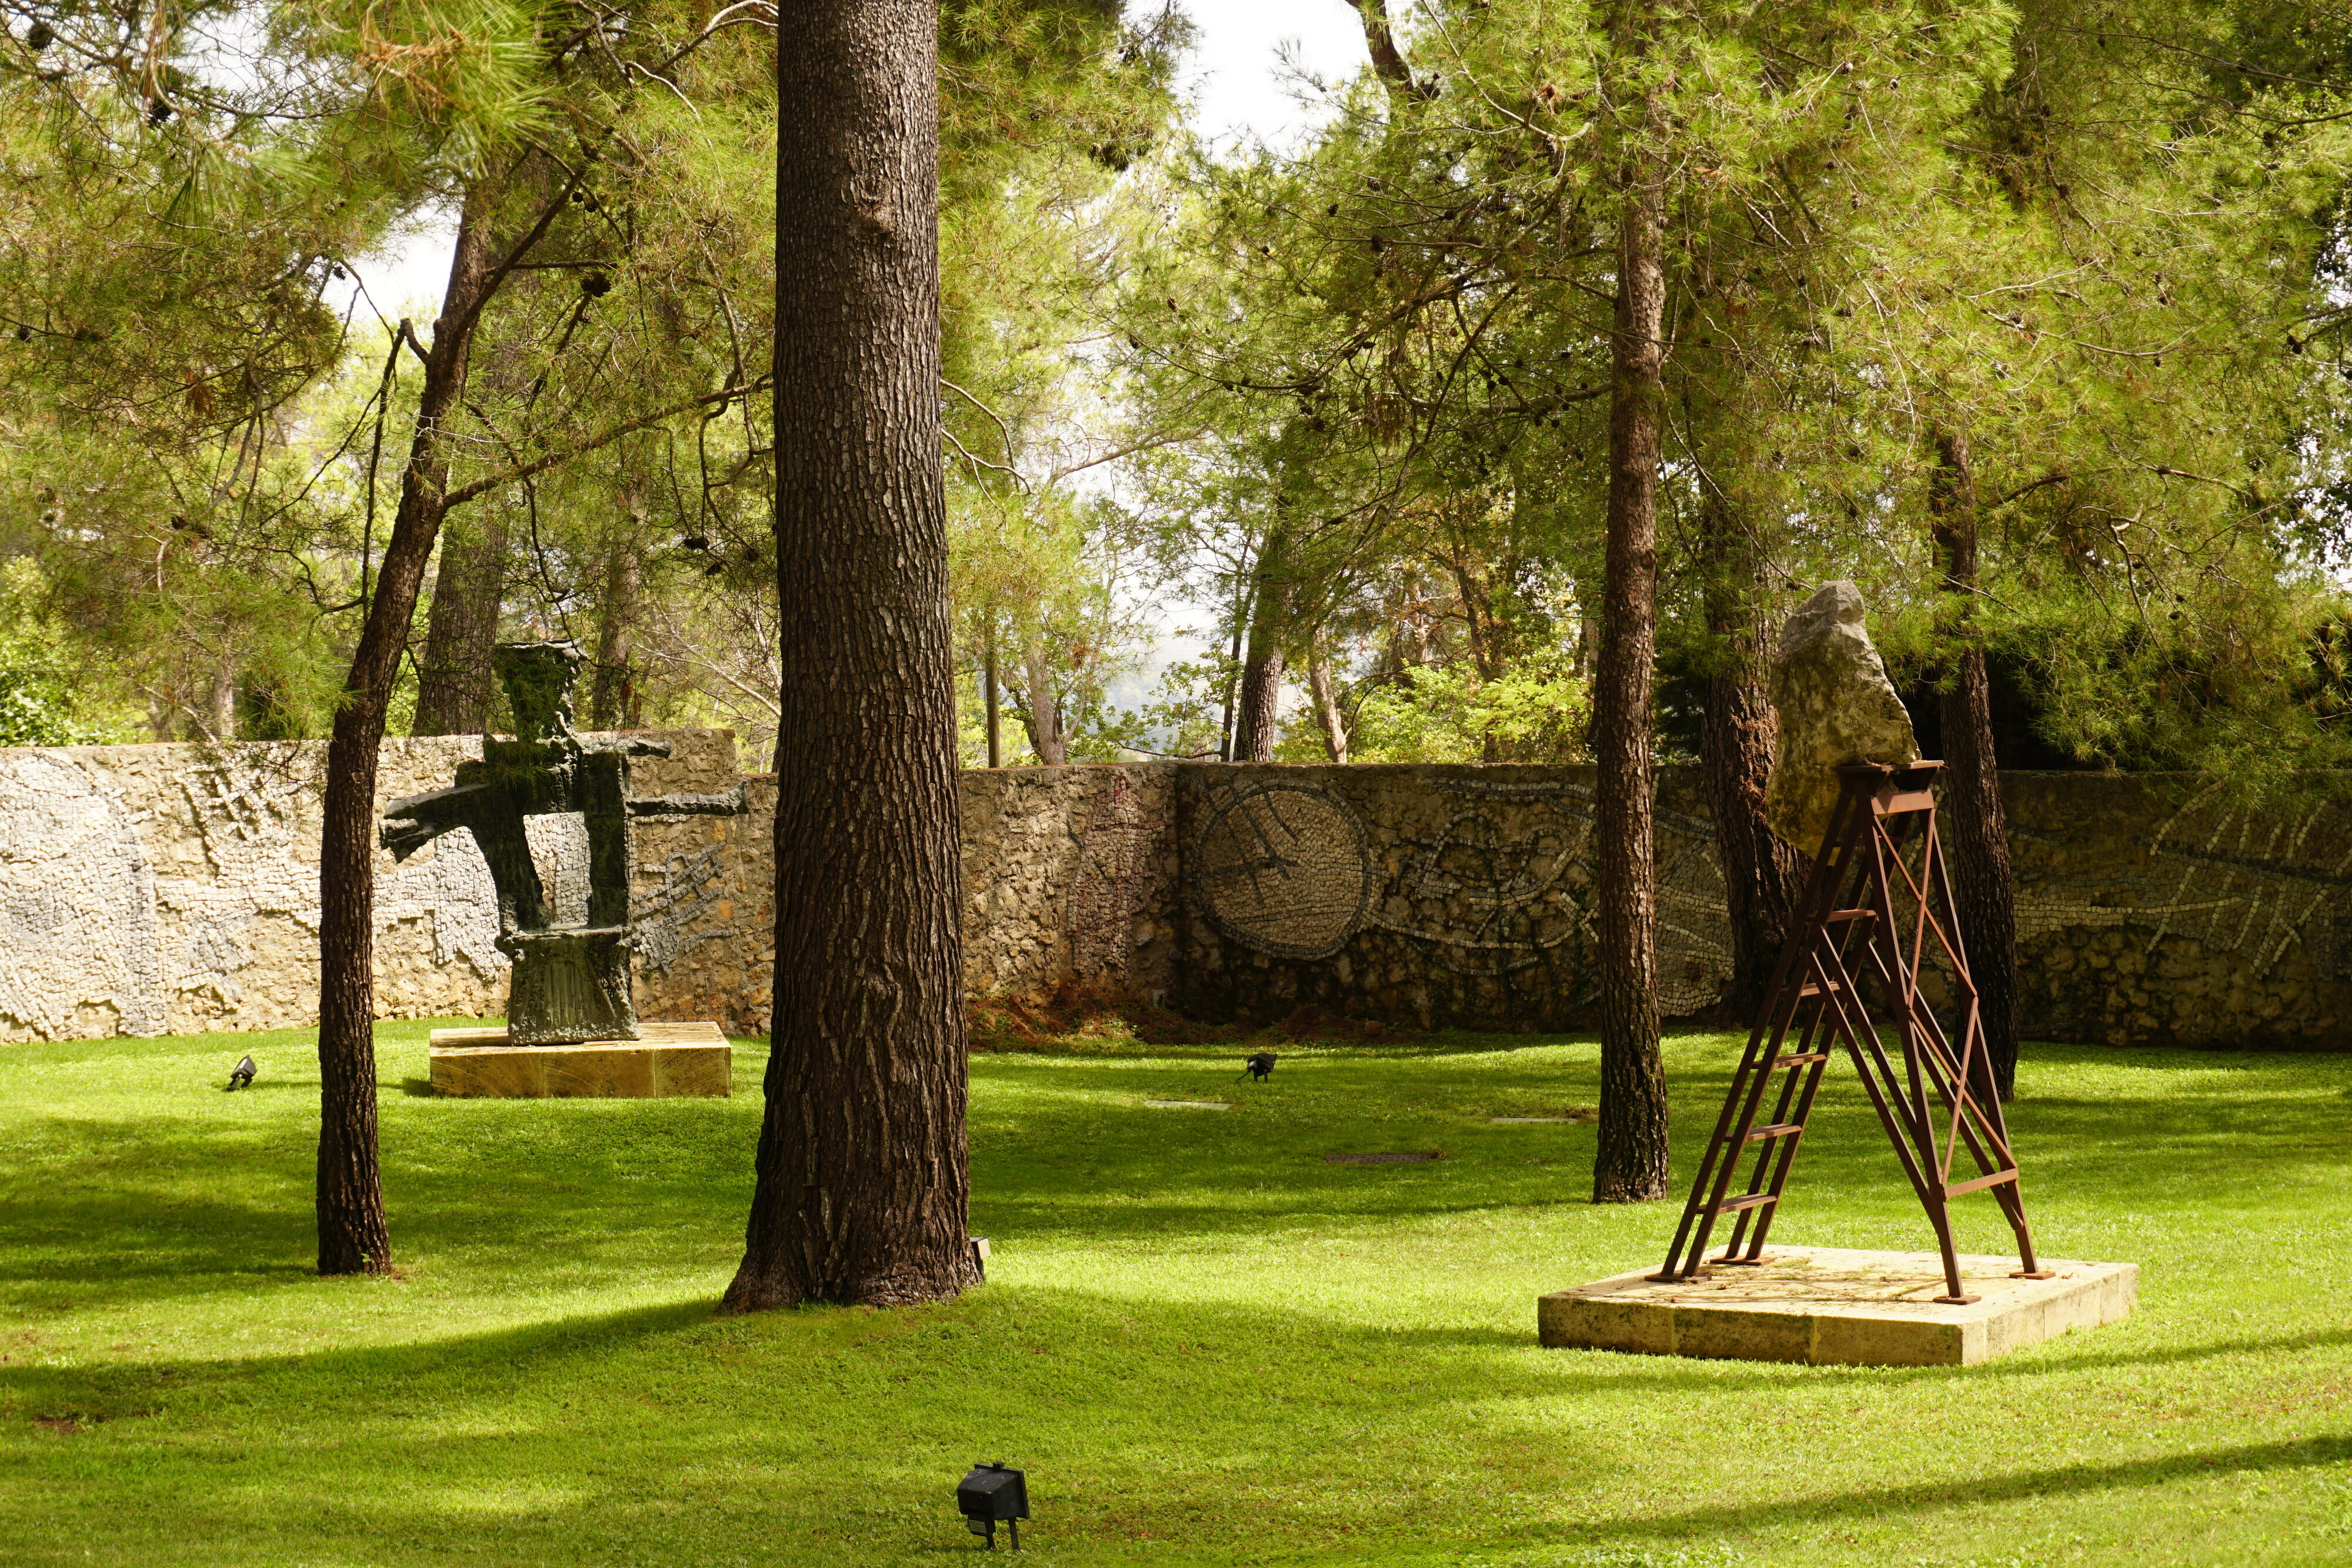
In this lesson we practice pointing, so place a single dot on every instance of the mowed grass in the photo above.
(1204, 1343)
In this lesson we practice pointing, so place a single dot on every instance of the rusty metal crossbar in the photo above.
(1880, 843)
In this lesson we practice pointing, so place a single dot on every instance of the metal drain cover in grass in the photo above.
(1378, 1159)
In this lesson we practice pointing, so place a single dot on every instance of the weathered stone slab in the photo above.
(1838, 1306)
(1835, 706)
(669, 1059)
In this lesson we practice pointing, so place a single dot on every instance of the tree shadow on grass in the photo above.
(156, 1207)
(1216, 1421)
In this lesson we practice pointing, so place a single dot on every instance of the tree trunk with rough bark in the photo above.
(861, 1179)
(1257, 708)
(1327, 709)
(613, 701)
(1261, 697)
(988, 698)
(456, 687)
(353, 1236)
(1629, 1164)
(1970, 822)
(1762, 877)
(1046, 734)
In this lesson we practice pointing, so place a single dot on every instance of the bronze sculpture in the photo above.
(571, 945)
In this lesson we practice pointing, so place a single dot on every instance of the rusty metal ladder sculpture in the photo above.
(1849, 926)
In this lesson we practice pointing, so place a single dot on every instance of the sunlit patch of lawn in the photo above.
(1205, 1343)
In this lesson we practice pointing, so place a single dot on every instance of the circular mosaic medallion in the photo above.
(1282, 867)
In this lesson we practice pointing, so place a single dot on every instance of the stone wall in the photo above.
(2150, 910)
(1069, 877)
(171, 889)
(155, 889)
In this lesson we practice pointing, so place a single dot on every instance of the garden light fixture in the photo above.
(990, 1493)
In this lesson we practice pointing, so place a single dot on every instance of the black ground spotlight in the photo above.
(990, 1493)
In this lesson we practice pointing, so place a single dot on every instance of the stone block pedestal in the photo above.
(1836, 1305)
(667, 1059)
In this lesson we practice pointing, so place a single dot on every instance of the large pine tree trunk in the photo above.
(352, 1234)
(455, 687)
(1631, 1162)
(1762, 877)
(1976, 836)
(861, 1181)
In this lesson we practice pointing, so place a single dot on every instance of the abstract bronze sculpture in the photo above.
(570, 941)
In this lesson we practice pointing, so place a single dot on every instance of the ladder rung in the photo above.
(1835, 916)
(1811, 991)
(1752, 1200)
(1777, 1130)
(1908, 802)
(1808, 1058)
(1993, 1180)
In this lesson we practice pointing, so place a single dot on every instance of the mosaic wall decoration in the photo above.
(1451, 893)
(1121, 851)
(1282, 867)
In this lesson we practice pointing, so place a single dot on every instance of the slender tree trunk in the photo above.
(1327, 708)
(861, 1179)
(1975, 834)
(1631, 1162)
(1257, 707)
(613, 702)
(1046, 734)
(1233, 688)
(988, 694)
(223, 699)
(1762, 877)
(456, 688)
(352, 1234)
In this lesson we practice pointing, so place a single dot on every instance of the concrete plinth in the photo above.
(1836, 1305)
(667, 1059)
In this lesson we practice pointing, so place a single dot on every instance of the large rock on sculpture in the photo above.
(1836, 706)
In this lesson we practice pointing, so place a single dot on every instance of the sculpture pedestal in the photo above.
(1835, 1305)
(667, 1061)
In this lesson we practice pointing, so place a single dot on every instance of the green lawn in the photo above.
(1204, 1343)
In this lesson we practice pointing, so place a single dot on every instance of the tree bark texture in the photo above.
(1975, 834)
(1048, 737)
(1630, 1164)
(1260, 697)
(1325, 692)
(988, 698)
(614, 701)
(1762, 876)
(352, 1234)
(1257, 706)
(861, 1187)
(456, 687)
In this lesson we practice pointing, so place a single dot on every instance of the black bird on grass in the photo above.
(1259, 1066)
(241, 1075)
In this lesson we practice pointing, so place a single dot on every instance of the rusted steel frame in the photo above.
(1949, 1070)
(1783, 1158)
(1905, 1147)
(1788, 1158)
(1951, 1075)
(1781, 1003)
(1894, 981)
(1937, 1057)
(1807, 1042)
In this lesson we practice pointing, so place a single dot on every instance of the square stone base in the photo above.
(1836, 1305)
(670, 1058)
